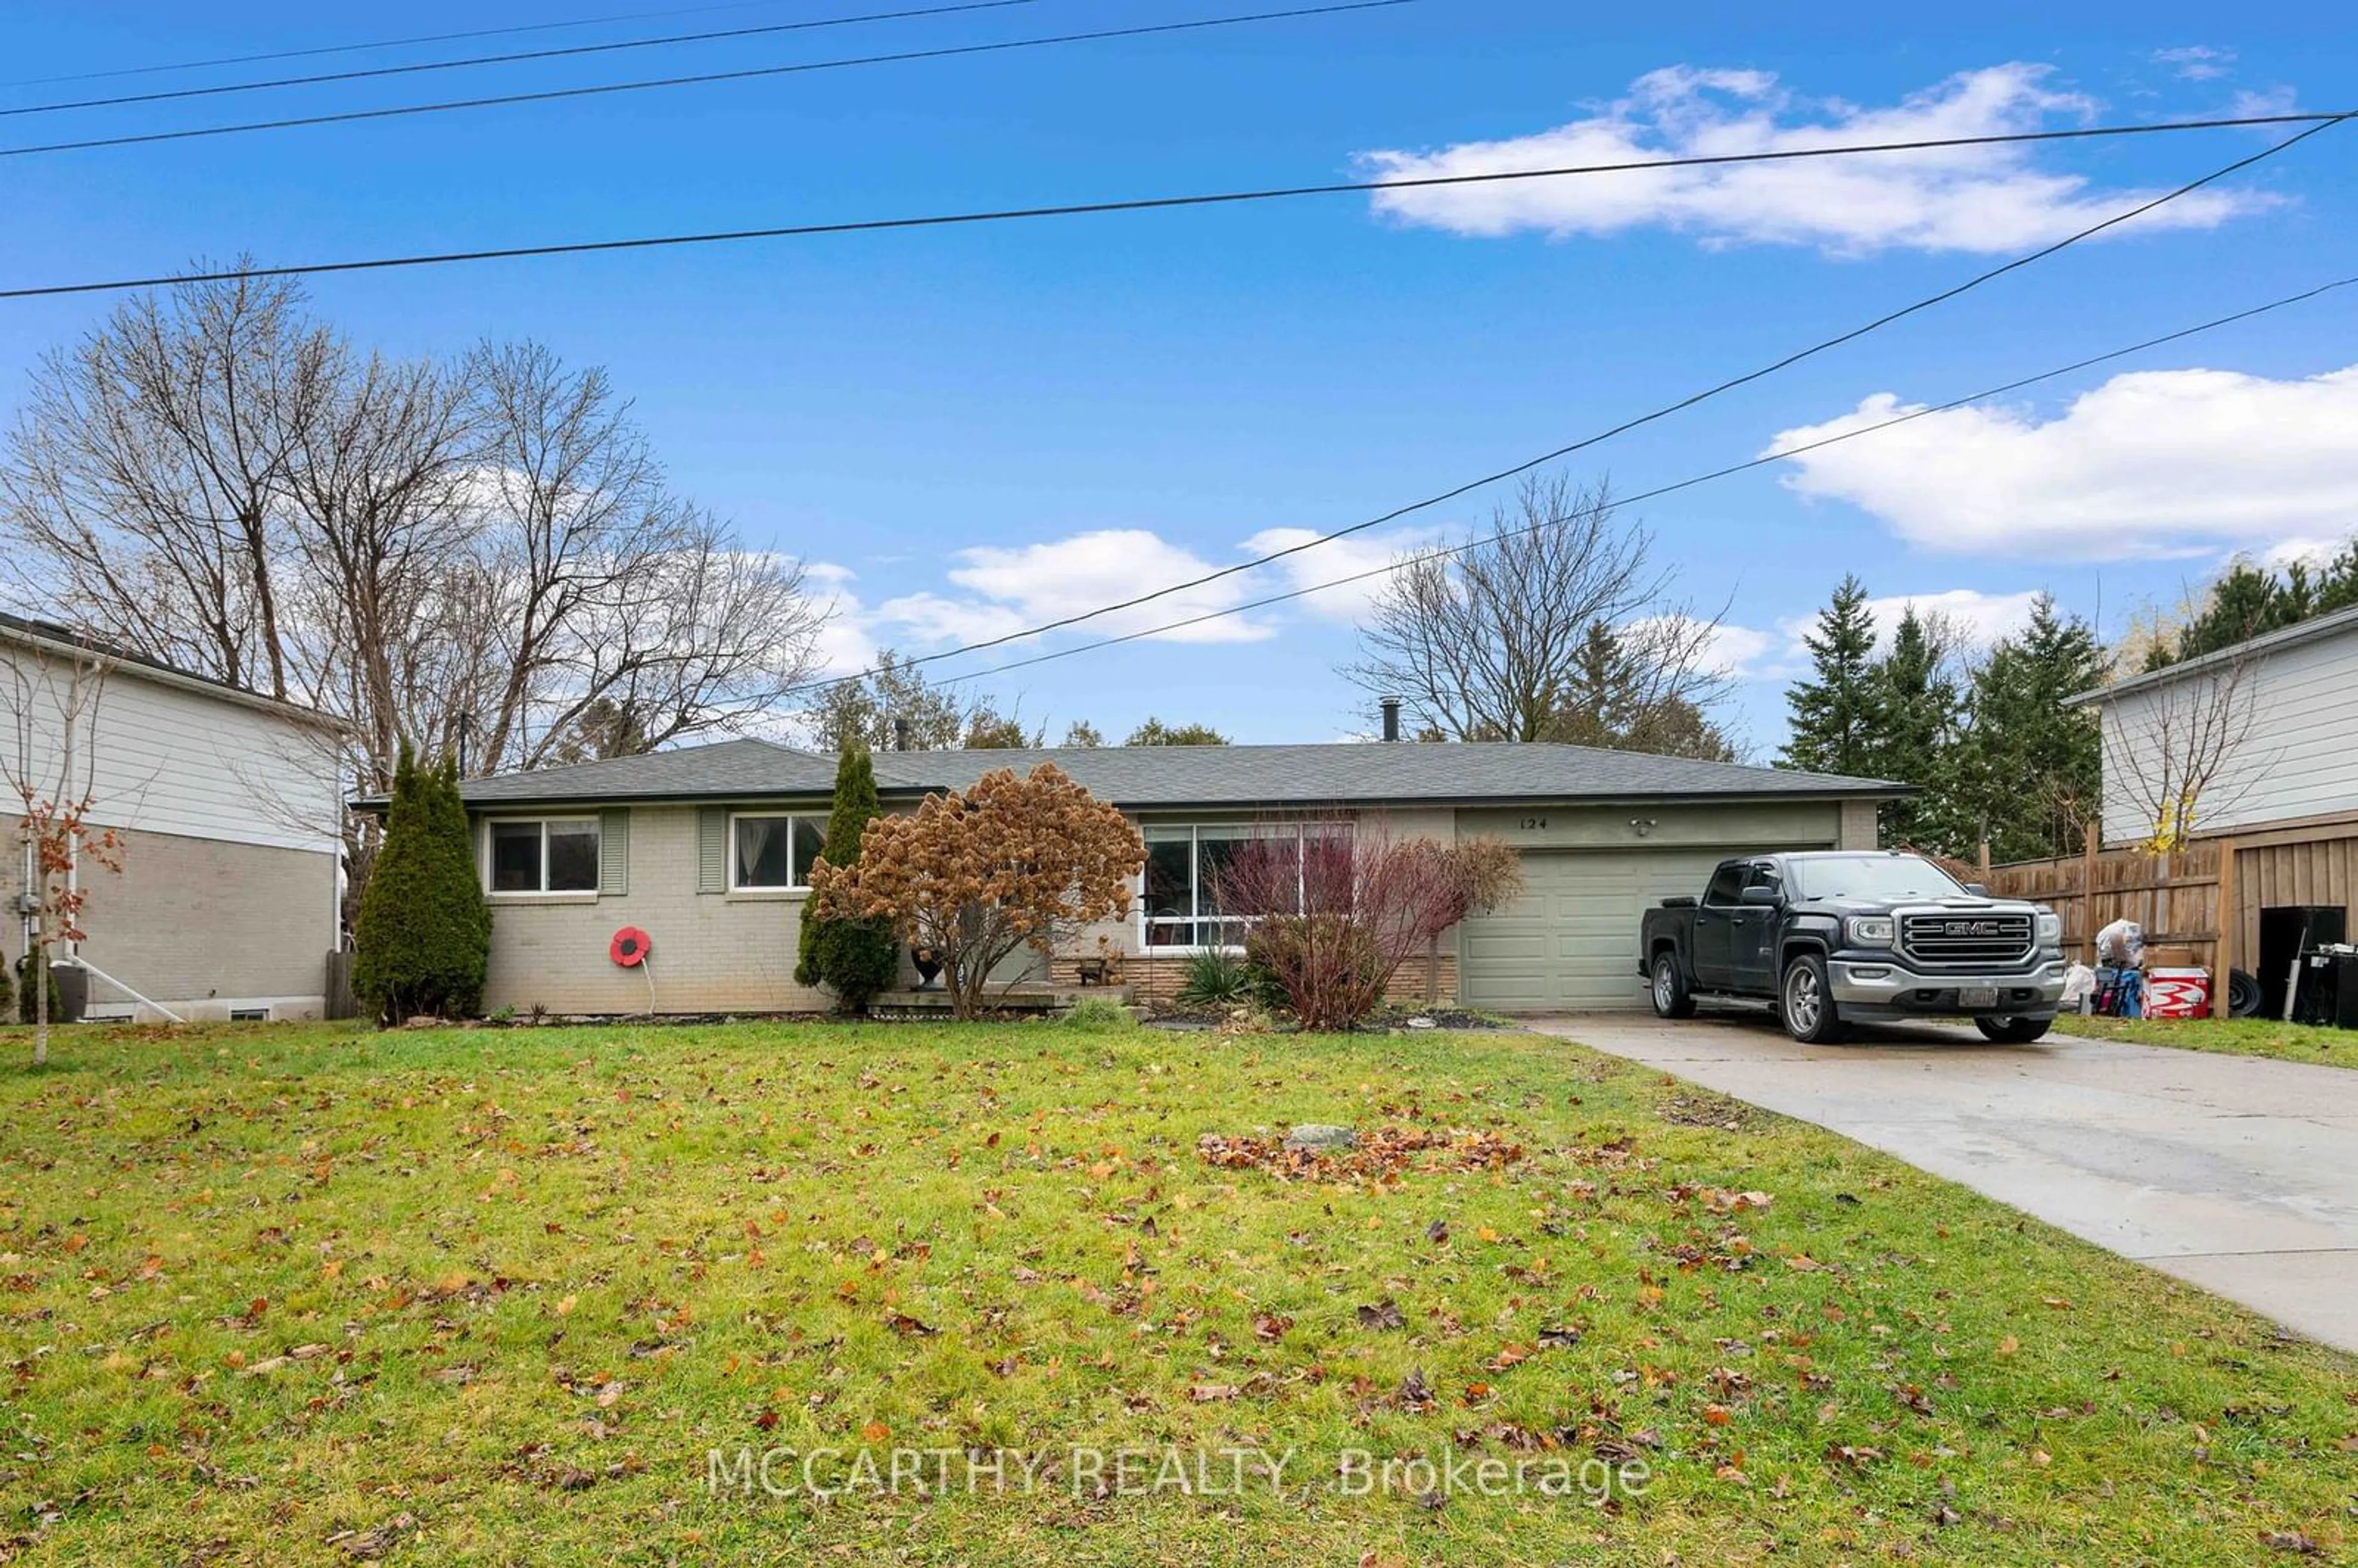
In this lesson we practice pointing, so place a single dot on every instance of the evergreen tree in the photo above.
(1914, 730)
(1833, 714)
(855, 958)
(2030, 777)
(424, 934)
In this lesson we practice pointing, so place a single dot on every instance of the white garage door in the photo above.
(1570, 941)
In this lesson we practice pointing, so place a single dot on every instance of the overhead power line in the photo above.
(1784, 455)
(568, 52)
(749, 74)
(410, 42)
(1136, 204)
(1822, 346)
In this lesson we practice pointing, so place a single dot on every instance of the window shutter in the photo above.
(614, 850)
(712, 849)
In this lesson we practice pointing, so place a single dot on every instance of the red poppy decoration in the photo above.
(629, 946)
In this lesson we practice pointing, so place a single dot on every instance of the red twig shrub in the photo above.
(1336, 908)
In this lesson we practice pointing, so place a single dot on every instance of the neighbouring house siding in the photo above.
(230, 822)
(202, 926)
(175, 759)
(2294, 759)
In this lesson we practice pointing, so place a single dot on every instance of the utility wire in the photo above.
(568, 52)
(1140, 204)
(1886, 319)
(1783, 455)
(746, 74)
(385, 44)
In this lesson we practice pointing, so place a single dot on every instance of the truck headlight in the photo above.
(2051, 929)
(1870, 930)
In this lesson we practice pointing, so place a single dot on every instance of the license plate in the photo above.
(1977, 996)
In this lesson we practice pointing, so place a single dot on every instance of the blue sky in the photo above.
(1100, 405)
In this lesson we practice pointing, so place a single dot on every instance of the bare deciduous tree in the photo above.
(421, 550)
(1551, 623)
(2179, 751)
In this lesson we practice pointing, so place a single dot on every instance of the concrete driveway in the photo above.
(2237, 1173)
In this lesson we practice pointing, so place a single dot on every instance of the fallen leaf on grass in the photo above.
(2009, 1346)
(1383, 1314)
(1212, 1393)
(1560, 1336)
(368, 1545)
(901, 1323)
(2290, 1540)
(1270, 1326)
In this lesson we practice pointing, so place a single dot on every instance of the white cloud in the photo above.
(2197, 63)
(1990, 199)
(2311, 553)
(1340, 558)
(931, 620)
(2154, 465)
(1066, 577)
(1981, 619)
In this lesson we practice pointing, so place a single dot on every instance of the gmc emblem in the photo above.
(1970, 928)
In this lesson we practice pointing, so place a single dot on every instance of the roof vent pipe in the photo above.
(900, 734)
(1392, 718)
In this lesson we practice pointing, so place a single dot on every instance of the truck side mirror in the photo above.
(1979, 890)
(1756, 893)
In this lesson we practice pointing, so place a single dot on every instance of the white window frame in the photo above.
(789, 819)
(1196, 831)
(490, 832)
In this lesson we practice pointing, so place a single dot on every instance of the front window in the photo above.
(774, 853)
(1181, 906)
(1875, 879)
(551, 855)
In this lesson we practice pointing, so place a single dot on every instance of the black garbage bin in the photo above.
(73, 991)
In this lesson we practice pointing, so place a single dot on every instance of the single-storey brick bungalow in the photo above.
(708, 849)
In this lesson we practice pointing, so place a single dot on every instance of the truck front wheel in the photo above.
(1672, 998)
(1806, 1005)
(2011, 1030)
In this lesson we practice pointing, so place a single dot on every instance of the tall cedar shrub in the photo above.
(853, 957)
(423, 935)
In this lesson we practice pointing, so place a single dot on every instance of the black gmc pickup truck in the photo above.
(1832, 937)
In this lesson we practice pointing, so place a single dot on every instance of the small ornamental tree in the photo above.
(853, 956)
(52, 703)
(1012, 863)
(1336, 909)
(423, 935)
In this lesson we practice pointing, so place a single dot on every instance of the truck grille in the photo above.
(1943, 940)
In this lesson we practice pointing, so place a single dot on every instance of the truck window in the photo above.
(1725, 883)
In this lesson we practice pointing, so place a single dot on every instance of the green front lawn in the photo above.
(297, 1294)
(2233, 1036)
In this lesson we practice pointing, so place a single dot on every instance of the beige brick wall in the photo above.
(197, 924)
(712, 952)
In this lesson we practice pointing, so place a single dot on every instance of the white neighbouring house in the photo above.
(2263, 735)
(226, 806)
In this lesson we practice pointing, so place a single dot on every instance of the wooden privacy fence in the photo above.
(2177, 897)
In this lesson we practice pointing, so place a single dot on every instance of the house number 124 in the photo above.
(1531, 822)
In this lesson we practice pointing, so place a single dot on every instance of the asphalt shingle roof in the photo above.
(1144, 777)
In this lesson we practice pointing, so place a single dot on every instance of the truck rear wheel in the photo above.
(1672, 998)
(1806, 1005)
